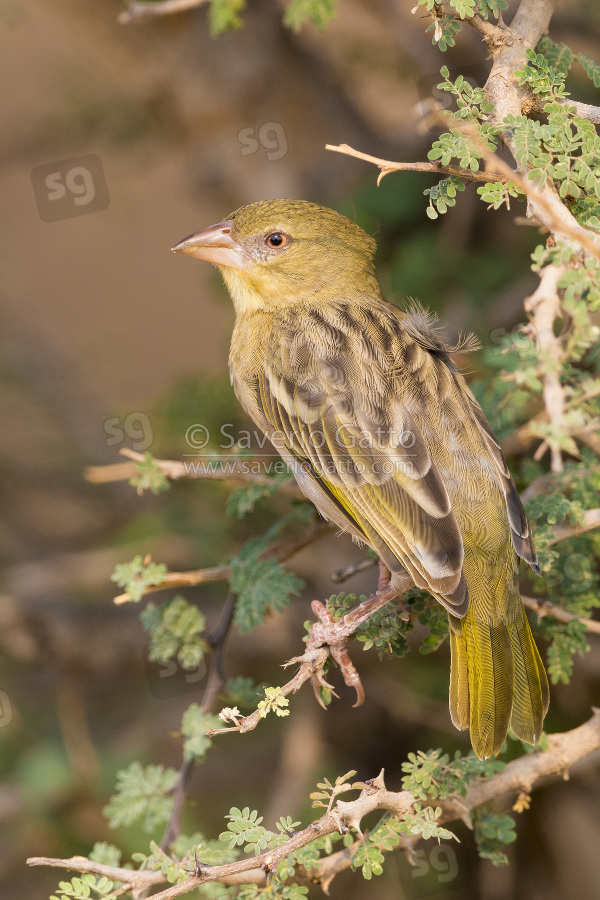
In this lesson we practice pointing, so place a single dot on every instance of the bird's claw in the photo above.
(319, 681)
(325, 632)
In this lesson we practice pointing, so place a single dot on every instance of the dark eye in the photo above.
(277, 240)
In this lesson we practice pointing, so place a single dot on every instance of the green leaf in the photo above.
(319, 12)
(442, 195)
(243, 499)
(137, 575)
(175, 628)
(142, 794)
(149, 477)
(195, 727)
(591, 68)
(224, 15)
(492, 834)
(106, 854)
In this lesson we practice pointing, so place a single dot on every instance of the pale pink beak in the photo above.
(216, 245)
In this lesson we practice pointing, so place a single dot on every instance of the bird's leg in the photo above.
(385, 576)
(335, 634)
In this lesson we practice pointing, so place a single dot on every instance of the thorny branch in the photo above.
(544, 304)
(216, 678)
(518, 777)
(281, 551)
(236, 469)
(435, 168)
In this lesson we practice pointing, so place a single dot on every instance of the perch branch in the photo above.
(519, 776)
(544, 304)
(232, 469)
(545, 608)
(434, 168)
(281, 551)
(140, 11)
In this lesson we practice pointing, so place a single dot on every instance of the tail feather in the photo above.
(531, 684)
(497, 678)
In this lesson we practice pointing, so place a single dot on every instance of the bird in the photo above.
(366, 404)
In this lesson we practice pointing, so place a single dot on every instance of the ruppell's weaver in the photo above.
(383, 435)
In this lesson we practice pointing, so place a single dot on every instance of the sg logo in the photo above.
(170, 679)
(72, 187)
(271, 136)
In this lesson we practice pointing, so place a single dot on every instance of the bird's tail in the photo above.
(497, 679)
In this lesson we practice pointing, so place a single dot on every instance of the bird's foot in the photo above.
(335, 634)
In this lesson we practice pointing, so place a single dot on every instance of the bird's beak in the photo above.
(216, 245)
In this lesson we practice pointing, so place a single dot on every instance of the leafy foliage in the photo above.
(319, 12)
(590, 67)
(443, 195)
(492, 834)
(432, 775)
(138, 575)
(223, 15)
(149, 477)
(243, 499)
(87, 887)
(261, 585)
(175, 627)
(244, 828)
(196, 726)
(142, 794)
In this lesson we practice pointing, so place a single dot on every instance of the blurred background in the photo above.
(108, 340)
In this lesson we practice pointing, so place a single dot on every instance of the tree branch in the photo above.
(140, 11)
(232, 469)
(545, 608)
(281, 551)
(216, 678)
(434, 168)
(495, 36)
(519, 776)
(544, 304)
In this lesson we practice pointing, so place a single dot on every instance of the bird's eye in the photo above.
(276, 240)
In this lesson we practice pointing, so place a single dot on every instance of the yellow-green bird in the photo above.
(383, 435)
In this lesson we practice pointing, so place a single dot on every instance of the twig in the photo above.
(233, 469)
(280, 551)
(520, 440)
(544, 304)
(217, 640)
(545, 608)
(353, 569)
(495, 36)
(519, 776)
(562, 531)
(435, 168)
(140, 11)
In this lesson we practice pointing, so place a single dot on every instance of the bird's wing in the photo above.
(355, 404)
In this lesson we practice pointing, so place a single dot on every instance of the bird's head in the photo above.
(277, 252)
